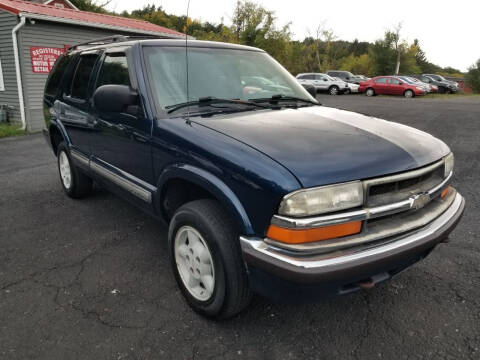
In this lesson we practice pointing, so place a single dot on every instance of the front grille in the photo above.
(393, 190)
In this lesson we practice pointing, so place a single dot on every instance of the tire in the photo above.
(408, 94)
(370, 92)
(206, 259)
(442, 90)
(74, 182)
(333, 90)
(347, 92)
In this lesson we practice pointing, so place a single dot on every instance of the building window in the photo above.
(2, 84)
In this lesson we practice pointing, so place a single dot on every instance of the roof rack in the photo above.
(113, 39)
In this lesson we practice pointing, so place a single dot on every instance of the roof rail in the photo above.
(112, 39)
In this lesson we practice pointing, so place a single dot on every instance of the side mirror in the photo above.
(115, 98)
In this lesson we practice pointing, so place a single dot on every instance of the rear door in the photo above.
(121, 143)
(73, 108)
(380, 85)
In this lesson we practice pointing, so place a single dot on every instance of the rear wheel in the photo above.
(333, 90)
(74, 182)
(370, 92)
(207, 261)
(408, 94)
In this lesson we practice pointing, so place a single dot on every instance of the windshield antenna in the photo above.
(186, 55)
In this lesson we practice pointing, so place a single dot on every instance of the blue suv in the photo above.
(263, 189)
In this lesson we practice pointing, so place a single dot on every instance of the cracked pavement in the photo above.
(91, 279)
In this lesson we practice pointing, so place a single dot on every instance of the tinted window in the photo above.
(114, 70)
(381, 80)
(334, 73)
(81, 77)
(56, 76)
(394, 81)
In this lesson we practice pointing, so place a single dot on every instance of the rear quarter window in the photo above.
(56, 75)
(81, 77)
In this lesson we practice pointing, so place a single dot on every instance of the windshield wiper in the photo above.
(211, 100)
(279, 97)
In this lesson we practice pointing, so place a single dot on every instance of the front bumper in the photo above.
(277, 273)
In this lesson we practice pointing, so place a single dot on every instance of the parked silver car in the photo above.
(323, 82)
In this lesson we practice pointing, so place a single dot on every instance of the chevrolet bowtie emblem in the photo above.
(419, 201)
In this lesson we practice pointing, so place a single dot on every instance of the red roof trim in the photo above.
(84, 17)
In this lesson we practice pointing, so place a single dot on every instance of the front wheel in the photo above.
(333, 90)
(347, 91)
(408, 94)
(207, 261)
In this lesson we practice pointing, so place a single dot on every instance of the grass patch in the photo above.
(10, 130)
(449, 96)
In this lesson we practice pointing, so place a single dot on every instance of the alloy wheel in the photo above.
(194, 263)
(65, 170)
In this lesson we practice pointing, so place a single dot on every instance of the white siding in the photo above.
(49, 34)
(10, 95)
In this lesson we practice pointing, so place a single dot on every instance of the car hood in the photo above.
(321, 145)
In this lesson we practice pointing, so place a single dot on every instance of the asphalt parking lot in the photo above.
(90, 279)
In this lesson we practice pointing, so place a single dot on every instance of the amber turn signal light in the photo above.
(444, 192)
(300, 236)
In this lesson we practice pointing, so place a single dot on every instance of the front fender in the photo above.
(213, 185)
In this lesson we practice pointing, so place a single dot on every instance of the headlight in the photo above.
(419, 88)
(449, 162)
(322, 199)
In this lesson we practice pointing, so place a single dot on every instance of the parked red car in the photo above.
(389, 85)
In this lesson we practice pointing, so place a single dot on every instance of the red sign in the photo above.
(43, 58)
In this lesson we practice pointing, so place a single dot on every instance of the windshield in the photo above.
(217, 73)
(407, 79)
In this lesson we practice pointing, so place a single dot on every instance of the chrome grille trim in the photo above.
(356, 215)
(388, 227)
(402, 176)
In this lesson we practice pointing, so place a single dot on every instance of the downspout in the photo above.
(17, 69)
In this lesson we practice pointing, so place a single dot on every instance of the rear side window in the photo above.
(81, 77)
(114, 70)
(56, 76)
(381, 81)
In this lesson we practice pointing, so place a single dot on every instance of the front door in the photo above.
(121, 141)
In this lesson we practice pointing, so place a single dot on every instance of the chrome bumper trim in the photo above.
(358, 215)
(352, 255)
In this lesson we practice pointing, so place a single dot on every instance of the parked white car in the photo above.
(323, 82)
(351, 87)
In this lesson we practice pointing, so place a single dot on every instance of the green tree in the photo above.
(91, 5)
(473, 77)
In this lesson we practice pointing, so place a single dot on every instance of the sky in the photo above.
(448, 31)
